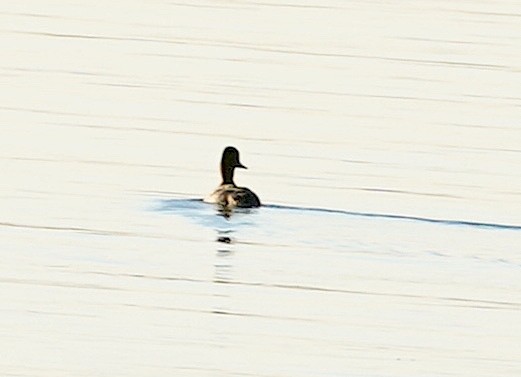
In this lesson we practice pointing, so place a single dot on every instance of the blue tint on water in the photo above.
(208, 215)
(322, 230)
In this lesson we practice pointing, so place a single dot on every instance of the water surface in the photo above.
(383, 138)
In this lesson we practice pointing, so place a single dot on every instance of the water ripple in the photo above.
(401, 217)
(180, 205)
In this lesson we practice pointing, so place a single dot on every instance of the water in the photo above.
(383, 138)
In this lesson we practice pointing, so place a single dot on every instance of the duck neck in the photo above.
(227, 174)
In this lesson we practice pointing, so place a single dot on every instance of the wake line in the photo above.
(399, 217)
(475, 224)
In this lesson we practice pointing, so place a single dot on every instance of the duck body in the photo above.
(228, 194)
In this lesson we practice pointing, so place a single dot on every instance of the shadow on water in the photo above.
(226, 222)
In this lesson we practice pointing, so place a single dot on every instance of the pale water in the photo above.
(383, 137)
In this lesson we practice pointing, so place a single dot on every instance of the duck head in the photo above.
(229, 162)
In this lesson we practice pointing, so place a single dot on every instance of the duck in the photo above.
(228, 194)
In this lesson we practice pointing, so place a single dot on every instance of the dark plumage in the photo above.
(228, 194)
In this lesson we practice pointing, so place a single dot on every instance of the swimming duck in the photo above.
(228, 194)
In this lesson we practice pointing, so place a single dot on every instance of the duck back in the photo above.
(229, 195)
